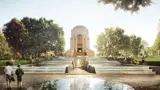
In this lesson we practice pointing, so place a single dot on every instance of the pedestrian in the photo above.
(143, 61)
(19, 72)
(8, 74)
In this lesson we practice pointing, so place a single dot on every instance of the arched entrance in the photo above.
(79, 43)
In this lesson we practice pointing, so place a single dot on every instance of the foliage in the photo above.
(144, 51)
(15, 62)
(113, 42)
(156, 46)
(4, 49)
(135, 43)
(100, 44)
(52, 85)
(14, 32)
(127, 5)
(43, 35)
(30, 37)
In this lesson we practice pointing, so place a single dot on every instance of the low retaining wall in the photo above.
(1, 70)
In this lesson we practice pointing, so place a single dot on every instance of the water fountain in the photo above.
(80, 62)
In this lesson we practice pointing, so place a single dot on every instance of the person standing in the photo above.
(8, 74)
(143, 61)
(19, 72)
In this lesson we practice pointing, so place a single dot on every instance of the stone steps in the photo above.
(80, 53)
(124, 70)
(101, 67)
(45, 71)
(53, 70)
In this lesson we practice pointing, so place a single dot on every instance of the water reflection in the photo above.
(81, 84)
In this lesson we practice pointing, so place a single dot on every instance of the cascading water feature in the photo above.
(80, 62)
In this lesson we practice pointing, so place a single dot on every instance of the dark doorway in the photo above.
(79, 50)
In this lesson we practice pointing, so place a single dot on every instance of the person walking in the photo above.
(19, 72)
(8, 74)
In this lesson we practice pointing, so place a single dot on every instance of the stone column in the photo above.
(87, 44)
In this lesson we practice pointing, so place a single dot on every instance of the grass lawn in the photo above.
(153, 58)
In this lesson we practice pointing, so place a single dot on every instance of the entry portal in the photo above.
(79, 50)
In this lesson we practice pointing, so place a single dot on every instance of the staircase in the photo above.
(79, 53)
(47, 67)
(124, 70)
(103, 66)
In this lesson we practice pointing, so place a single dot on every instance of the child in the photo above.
(8, 72)
(19, 72)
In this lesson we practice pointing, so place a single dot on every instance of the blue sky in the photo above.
(96, 17)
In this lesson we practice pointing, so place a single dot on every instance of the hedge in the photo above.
(3, 62)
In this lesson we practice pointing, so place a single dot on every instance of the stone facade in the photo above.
(79, 42)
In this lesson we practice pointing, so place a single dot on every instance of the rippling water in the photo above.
(80, 83)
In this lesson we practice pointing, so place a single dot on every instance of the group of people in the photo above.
(10, 77)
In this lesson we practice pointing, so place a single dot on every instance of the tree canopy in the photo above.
(43, 35)
(156, 45)
(4, 49)
(113, 42)
(31, 36)
(15, 32)
(127, 5)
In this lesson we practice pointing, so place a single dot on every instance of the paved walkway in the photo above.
(79, 71)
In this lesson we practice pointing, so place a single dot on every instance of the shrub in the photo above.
(6, 57)
(14, 62)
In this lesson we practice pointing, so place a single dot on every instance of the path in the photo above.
(78, 71)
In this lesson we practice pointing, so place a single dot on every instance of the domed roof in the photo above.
(80, 28)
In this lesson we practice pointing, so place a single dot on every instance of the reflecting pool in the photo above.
(80, 84)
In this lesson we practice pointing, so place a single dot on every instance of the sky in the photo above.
(93, 15)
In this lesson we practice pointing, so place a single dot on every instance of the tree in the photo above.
(4, 49)
(43, 36)
(144, 47)
(156, 45)
(15, 32)
(100, 44)
(125, 48)
(135, 43)
(127, 5)
(112, 42)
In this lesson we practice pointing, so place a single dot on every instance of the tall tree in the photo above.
(127, 5)
(135, 43)
(4, 49)
(43, 35)
(15, 32)
(100, 44)
(112, 42)
(144, 47)
(156, 45)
